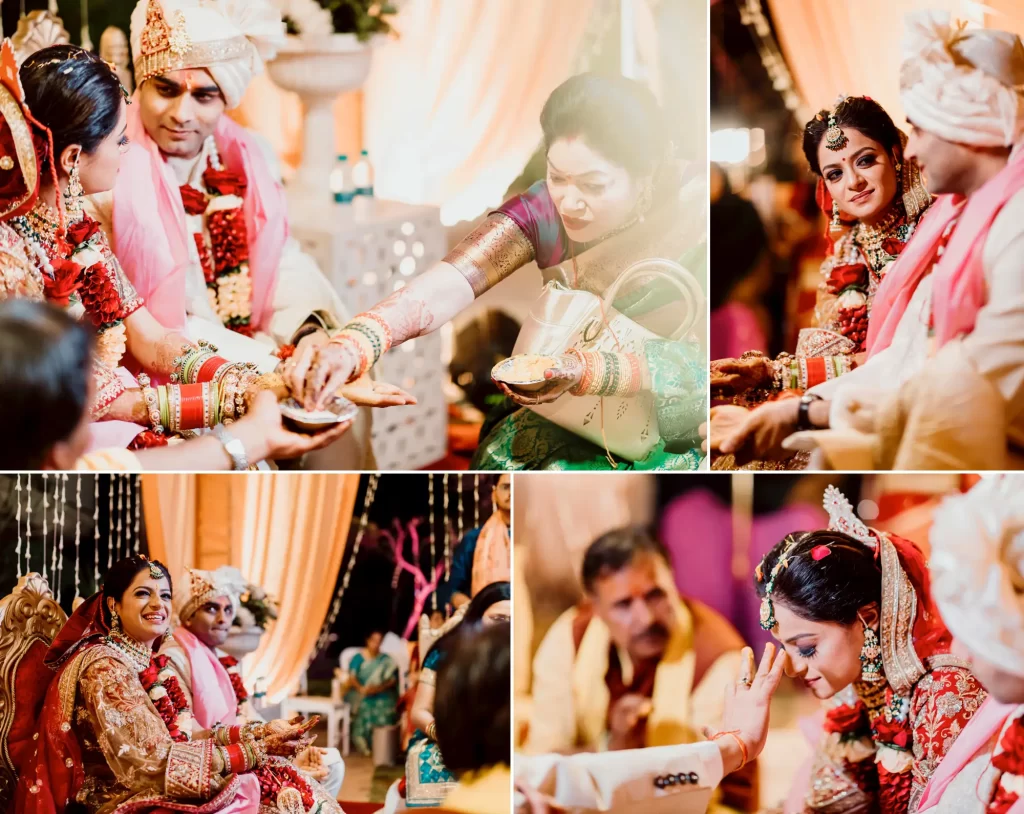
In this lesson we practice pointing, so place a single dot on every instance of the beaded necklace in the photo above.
(137, 653)
(40, 228)
(871, 239)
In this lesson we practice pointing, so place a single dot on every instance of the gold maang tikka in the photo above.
(767, 615)
(835, 138)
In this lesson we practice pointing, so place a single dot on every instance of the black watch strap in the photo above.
(803, 421)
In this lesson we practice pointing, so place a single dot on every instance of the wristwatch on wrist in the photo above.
(233, 447)
(803, 420)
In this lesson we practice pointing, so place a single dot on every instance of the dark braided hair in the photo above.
(831, 589)
(121, 575)
(854, 113)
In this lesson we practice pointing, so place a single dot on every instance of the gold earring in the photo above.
(74, 193)
(870, 656)
(115, 622)
(837, 224)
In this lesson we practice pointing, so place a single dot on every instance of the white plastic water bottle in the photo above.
(362, 175)
(341, 181)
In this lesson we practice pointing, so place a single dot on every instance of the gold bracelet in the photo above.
(149, 396)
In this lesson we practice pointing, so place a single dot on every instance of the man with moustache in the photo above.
(635, 665)
(943, 386)
(206, 605)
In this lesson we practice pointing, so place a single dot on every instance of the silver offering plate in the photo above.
(336, 411)
(512, 371)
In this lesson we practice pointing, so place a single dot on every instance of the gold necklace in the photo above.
(136, 652)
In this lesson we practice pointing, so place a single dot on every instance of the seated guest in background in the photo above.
(485, 554)
(660, 779)
(46, 371)
(372, 692)
(473, 710)
(206, 603)
(427, 781)
(637, 666)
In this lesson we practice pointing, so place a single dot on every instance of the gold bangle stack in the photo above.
(369, 336)
(149, 395)
(191, 361)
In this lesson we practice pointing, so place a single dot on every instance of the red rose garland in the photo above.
(853, 320)
(225, 259)
(277, 776)
(1010, 761)
(165, 692)
(231, 665)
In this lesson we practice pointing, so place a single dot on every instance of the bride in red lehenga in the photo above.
(115, 735)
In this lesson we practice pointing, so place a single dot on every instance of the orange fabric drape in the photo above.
(853, 46)
(286, 532)
(290, 531)
(169, 503)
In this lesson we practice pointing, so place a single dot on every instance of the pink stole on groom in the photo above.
(987, 723)
(213, 697)
(959, 289)
(151, 237)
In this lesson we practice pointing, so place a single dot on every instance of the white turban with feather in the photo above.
(977, 566)
(963, 85)
(232, 39)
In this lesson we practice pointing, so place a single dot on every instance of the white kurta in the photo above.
(676, 779)
(301, 291)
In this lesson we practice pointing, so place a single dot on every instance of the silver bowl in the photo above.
(335, 412)
(502, 372)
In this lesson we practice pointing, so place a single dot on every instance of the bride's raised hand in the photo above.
(748, 701)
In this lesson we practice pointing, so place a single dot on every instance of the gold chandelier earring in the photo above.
(115, 622)
(870, 656)
(837, 224)
(74, 193)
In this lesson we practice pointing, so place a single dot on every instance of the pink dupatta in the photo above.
(213, 697)
(987, 723)
(959, 289)
(151, 238)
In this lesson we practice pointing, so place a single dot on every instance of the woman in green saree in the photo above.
(372, 693)
(614, 196)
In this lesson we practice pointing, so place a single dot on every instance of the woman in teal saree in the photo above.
(427, 780)
(614, 195)
(373, 693)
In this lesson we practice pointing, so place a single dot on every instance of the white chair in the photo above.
(337, 713)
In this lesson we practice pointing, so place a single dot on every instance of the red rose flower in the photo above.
(224, 182)
(893, 246)
(892, 733)
(228, 662)
(196, 202)
(83, 231)
(845, 719)
(1002, 801)
(229, 238)
(894, 789)
(67, 279)
(1011, 759)
(853, 275)
(147, 439)
(285, 352)
(100, 298)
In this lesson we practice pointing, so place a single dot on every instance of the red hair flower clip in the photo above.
(820, 552)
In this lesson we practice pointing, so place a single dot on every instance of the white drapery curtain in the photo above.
(451, 109)
(853, 46)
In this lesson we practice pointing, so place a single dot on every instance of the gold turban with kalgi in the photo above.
(964, 85)
(200, 587)
(229, 38)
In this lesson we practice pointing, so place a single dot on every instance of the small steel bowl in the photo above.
(502, 372)
(335, 412)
